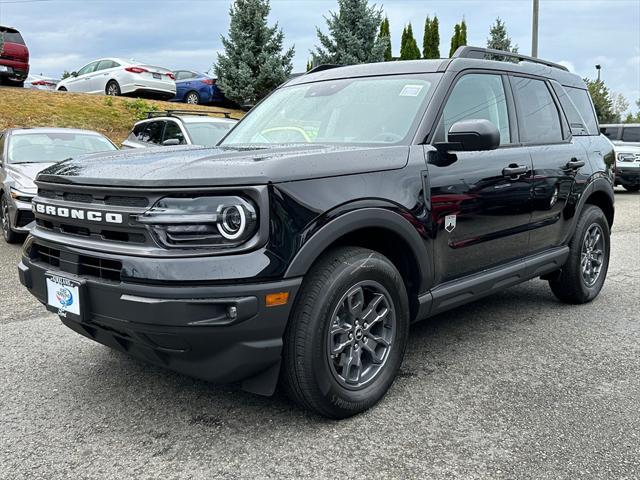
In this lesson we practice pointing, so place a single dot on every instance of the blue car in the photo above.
(196, 88)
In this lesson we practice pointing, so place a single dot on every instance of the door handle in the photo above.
(574, 164)
(514, 170)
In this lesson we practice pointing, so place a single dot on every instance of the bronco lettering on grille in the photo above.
(78, 214)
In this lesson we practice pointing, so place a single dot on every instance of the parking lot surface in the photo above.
(515, 386)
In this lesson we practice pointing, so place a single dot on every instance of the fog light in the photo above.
(232, 313)
(275, 299)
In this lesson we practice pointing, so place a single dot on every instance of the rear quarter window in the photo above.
(582, 101)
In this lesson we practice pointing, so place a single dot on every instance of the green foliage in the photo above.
(385, 36)
(409, 48)
(1, 43)
(455, 38)
(108, 101)
(353, 35)
(499, 39)
(309, 65)
(65, 74)
(253, 62)
(463, 34)
(139, 108)
(431, 42)
(601, 101)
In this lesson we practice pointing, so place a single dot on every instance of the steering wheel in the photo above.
(295, 130)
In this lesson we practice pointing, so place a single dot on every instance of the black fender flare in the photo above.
(599, 184)
(356, 220)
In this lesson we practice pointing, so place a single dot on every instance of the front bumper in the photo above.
(187, 328)
(627, 175)
(21, 216)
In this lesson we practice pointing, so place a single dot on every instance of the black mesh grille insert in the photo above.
(127, 201)
(78, 197)
(78, 264)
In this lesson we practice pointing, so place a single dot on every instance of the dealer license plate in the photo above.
(63, 295)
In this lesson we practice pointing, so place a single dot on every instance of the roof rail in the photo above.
(324, 66)
(483, 53)
(173, 113)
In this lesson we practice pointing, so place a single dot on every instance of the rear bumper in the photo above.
(189, 329)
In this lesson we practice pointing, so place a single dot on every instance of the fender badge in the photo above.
(450, 223)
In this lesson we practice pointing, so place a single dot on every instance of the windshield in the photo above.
(380, 110)
(54, 147)
(208, 134)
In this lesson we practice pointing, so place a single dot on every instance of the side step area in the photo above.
(472, 287)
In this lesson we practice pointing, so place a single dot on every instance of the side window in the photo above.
(153, 133)
(88, 68)
(104, 64)
(582, 101)
(576, 123)
(180, 74)
(476, 96)
(610, 132)
(631, 134)
(538, 116)
(136, 133)
(171, 131)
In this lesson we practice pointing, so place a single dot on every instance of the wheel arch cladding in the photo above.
(603, 200)
(377, 229)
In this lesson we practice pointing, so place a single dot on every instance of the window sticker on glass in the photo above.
(411, 91)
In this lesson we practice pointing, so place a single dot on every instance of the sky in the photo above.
(66, 34)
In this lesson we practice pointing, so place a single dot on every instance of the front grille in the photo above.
(115, 200)
(84, 265)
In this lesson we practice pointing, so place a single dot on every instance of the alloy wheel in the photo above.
(592, 255)
(361, 334)
(112, 90)
(192, 98)
(6, 221)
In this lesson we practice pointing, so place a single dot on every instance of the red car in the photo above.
(14, 58)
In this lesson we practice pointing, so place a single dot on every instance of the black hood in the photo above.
(196, 166)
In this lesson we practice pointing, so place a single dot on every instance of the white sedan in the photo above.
(114, 76)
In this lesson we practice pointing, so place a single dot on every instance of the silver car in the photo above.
(115, 76)
(626, 141)
(179, 127)
(26, 152)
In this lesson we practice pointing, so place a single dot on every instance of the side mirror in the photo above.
(171, 142)
(473, 136)
(74, 74)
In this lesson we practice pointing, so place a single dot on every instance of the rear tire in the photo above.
(347, 333)
(7, 232)
(582, 276)
(62, 89)
(192, 98)
(112, 89)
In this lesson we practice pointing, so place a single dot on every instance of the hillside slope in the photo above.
(111, 116)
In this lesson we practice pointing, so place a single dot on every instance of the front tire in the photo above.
(62, 89)
(347, 333)
(112, 89)
(192, 98)
(583, 275)
(7, 232)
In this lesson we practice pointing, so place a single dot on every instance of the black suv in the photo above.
(350, 203)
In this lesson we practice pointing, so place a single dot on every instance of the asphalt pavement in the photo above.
(517, 385)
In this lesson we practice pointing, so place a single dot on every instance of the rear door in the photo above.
(482, 200)
(557, 159)
(102, 74)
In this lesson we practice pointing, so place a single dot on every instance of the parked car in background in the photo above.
(38, 82)
(26, 152)
(180, 127)
(14, 58)
(115, 76)
(196, 88)
(626, 140)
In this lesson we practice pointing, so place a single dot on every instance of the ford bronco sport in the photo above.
(350, 203)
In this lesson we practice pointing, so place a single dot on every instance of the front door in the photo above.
(481, 202)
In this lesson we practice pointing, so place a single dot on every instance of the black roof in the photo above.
(463, 59)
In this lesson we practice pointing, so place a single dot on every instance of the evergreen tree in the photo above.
(435, 38)
(253, 63)
(409, 49)
(385, 36)
(498, 38)
(309, 65)
(455, 39)
(353, 35)
(463, 34)
(601, 100)
(426, 39)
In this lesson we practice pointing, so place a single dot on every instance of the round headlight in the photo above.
(233, 221)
